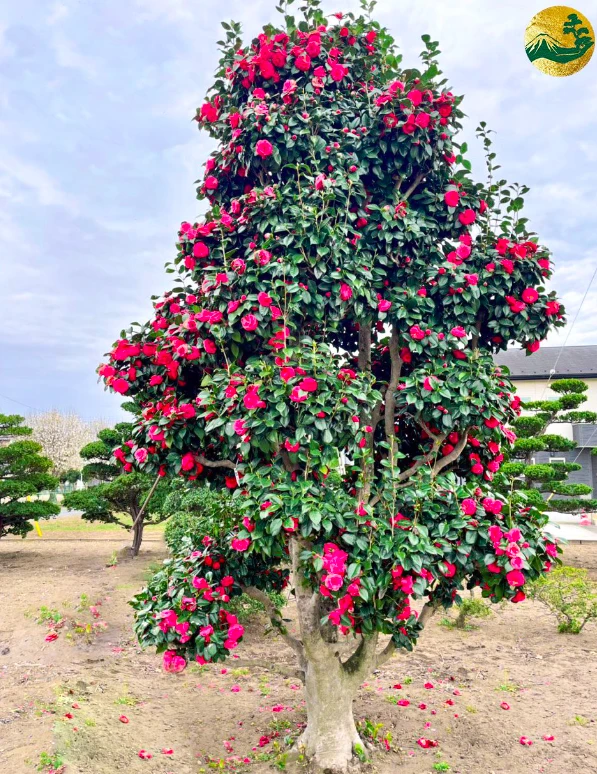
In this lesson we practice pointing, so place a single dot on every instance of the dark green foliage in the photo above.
(197, 512)
(522, 477)
(23, 473)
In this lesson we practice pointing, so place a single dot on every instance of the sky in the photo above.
(99, 154)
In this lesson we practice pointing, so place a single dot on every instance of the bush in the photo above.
(570, 595)
(197, 512)
(468, 608)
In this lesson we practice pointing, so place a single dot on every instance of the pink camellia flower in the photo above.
(345, 292)
(235, 688)
(51, 636)
(211, 183)
(297, 395)
(529, 295)
(200, 250)
(427, 384)
(384, 305)
(240, 544)
(551, 549)
(468, 506)
(239, 427)
(403, 702)
(206, 631)
(504, 705)
(264, 148)
(338, 72)
(141, 455)
(452, 198)
(123, 719)
(238, 265)
(515, 578)
(333, 582)
(199, 583)
(459, 332)
(249, 322)
(174, 663)
(525, 741)
(548, 737)
(416, 333)
(264, 299)
(144, 755)
(471, 279)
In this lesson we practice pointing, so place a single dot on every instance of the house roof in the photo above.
(568, 362)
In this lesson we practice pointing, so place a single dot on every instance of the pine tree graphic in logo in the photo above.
(559, 40)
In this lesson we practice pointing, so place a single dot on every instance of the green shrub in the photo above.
(570, 595)
(197, 512)
(468, 608)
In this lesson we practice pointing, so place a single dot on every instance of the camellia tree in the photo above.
(23, 473)
(326, 352)
(545, 485)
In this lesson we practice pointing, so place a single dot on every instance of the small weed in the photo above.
(89, 722)
(391, 698)
(281, 761)
(407, 680)
(264, 688)
(280, 724)
(441, 766)
(579, 720)
(84, 603)
(127, 700)
(508, 686)
(49, 762)
(113, 560)
(471, 709)
(360, 753)
(48, 614)
(240, 672)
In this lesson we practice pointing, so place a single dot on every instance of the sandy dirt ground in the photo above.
(66, 697)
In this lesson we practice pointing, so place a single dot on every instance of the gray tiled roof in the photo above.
(578, 362)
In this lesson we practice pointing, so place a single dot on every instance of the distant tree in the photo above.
(540, 482)
(70, 476)
(62, 436)
(118, 494)
(23, 472)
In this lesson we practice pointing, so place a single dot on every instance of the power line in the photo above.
(554, 369)
(26, 405)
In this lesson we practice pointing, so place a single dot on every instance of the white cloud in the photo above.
(68, 56)
(58, 12)
(47, 191)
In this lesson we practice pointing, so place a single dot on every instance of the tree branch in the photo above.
(396, 362)
(412, 187)
(439, 439)
(275, 617)
(386, 654)
(452, 456)
(216, 463)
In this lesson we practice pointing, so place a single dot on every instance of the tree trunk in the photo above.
(329, 739)
(137, 537)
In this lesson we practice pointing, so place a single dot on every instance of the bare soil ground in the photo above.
(212, 718)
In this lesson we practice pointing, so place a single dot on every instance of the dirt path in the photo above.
(516, 656)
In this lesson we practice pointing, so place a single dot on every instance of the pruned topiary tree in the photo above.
(23, 473)
(541, 483)
(118, 492)
(326, 353)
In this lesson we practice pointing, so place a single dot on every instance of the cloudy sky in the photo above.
(98, 156)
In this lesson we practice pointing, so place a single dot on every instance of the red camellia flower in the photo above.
(467, 217)
(144, 755)
(211, 183)
(452, 198)
(308, 384)
(120, 385)
(345, 292)
(264, 148)
(200, 250)
(529, 295)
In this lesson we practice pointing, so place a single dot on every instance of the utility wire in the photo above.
(554, 369)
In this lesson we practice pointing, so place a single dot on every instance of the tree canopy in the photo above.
(24, 472)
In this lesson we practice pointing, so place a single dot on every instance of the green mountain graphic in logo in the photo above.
(544, 46)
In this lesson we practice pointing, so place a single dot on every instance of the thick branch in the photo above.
(412, 187)
(452, 456)
(365, 347)
(216, 463)
(307, 602)
(275, 617)
(439, 439)
(386, 654)
(396, 362)
(362, 661)
(288, 464)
